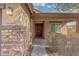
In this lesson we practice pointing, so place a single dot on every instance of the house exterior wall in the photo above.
(32, 29)
(77, 26)
(64, 28)
(48, 30)
(48, 33)
(0, 25)
(20, 17)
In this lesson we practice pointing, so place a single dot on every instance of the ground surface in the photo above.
(38, 48)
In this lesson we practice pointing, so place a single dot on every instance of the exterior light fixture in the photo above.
(9, 11)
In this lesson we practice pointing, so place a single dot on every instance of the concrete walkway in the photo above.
(38, 48)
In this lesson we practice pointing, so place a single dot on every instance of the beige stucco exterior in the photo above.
(47, 28)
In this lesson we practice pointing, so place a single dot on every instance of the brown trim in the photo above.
(30, 7)
(54, 16)
(39, 30)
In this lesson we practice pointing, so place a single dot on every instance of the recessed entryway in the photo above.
(39, 30)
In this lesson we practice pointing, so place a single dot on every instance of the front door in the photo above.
(39, 30)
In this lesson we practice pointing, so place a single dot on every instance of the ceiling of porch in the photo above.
(56, 7)
(56, 12)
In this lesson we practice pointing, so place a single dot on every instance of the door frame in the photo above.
(42, 29)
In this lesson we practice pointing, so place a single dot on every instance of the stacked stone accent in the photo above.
(16, 40)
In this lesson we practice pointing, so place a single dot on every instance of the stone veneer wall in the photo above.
(32, 29)
(16, 41)
(0, 25)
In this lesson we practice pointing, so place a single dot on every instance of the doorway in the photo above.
(39, 30)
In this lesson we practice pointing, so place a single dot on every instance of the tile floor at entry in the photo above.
(38, 47)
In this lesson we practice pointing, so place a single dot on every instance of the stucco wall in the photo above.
(77, 26)
(20, 17)
(64, 28)
(48, 31)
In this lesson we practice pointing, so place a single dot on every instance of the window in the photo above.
(56, 27)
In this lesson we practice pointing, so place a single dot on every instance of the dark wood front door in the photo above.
(39, 30)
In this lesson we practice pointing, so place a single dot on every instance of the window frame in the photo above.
(54, 30)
